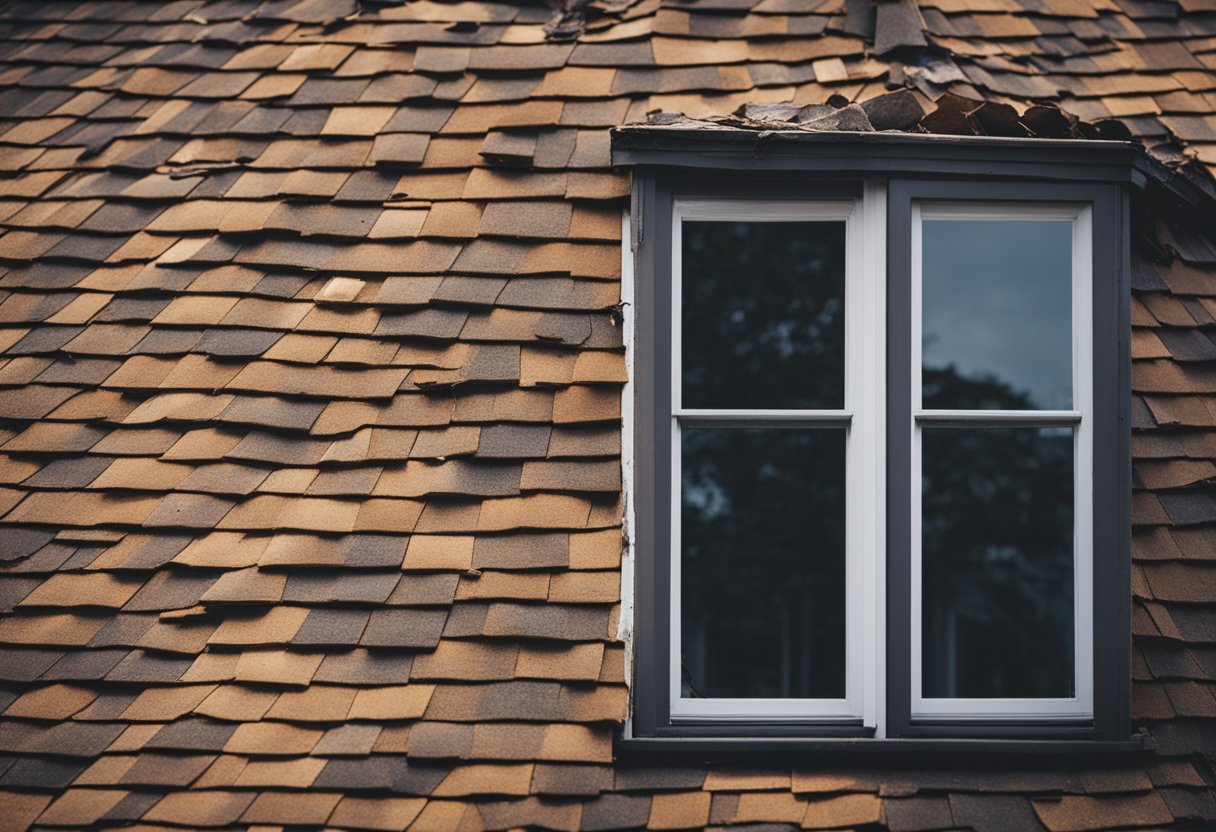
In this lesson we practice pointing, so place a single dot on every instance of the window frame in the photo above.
(1078, 418)
(1105, 320)
(827, 167)
(855, 415)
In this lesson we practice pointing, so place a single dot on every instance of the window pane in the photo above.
(997, 562)
(763, 563)
(763, 315)
(997, 314)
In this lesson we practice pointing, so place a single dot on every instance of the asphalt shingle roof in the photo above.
(310, 372)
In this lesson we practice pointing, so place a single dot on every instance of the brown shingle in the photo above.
(438, 552)
(440, 740)
(235, 703)
(386, 813)
(23, 808)
(205, 808)
(486, 779)
(846, 810)
(102, 590)
(404, 628)
(319, 703)
(572, 476)
(51, 702)
(679, 810)
(311, 809)
(405, 702)
(526, 219)
(61, 629)
(521, 551)
(81, 807)
(155, 705)
(1077, 813)
(466, 661)
(277, 667)
(276, 626)
(537, 511)
(584, 588)
(490, 585)
(579, 662)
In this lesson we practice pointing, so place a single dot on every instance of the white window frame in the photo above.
(862, 416)
(1080, 419)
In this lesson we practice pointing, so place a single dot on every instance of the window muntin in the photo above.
(806, 417)
(1002, 373)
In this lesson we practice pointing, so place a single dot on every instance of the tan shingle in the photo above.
(580, 662)
(385, 813)
(401, 702)
(235, 703)
(207, 808)
(277, 667)
(846, 810)
(438, 552)
(679, 810)
(51, 702)
(466, 660)
(81, 807)
(101, 590)
(310, 809)
(486, 779)
(277, 626)
(156, 705)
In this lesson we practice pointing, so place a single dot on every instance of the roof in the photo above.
(310, 374)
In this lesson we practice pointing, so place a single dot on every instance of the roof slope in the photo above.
(310, 363)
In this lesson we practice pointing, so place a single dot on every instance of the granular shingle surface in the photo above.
(310, 419)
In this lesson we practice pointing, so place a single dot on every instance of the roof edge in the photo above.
(841, 152)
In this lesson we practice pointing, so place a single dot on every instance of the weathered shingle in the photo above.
(311, 383)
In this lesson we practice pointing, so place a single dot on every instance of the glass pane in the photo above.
(763, 315)
(997, 562)
(997, 314)
(763, 562)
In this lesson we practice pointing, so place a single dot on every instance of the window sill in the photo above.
(1015, 753)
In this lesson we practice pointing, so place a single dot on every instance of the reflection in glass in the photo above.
(763, 563)
(997, 562)
(763, 314)
(997, 307)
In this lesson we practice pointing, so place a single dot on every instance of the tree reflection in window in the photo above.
(763, 314)
(997, 552)
(762, 532)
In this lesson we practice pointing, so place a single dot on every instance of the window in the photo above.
(881, 452)
(1001, 541)
(769, 416)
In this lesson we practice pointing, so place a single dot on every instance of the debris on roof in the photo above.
(901, 111)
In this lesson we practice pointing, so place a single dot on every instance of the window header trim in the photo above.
(893, 154)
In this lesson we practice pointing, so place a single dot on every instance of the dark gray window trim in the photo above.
(895, 754)
(896, 154)
(827, 165)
